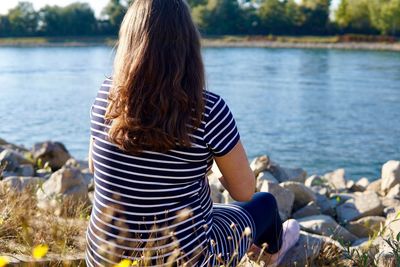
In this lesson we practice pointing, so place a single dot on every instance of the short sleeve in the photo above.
(221, 133)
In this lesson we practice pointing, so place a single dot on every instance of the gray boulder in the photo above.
(26, 170)
(314, 180)
(390, 175)
(12, 159)
(325, 205)
(394, 192)
(326, 226)
(309, 210)
(364, 204)
(54, 153)
(260, 164)
(366, 226)
(302, 194)
(336, 179)
(66, 184)
(306, 250)
(284, 198)
(375, 186)
(287, 174)
(361, 185)
(19, 183)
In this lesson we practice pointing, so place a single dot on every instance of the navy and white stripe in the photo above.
(157, 204)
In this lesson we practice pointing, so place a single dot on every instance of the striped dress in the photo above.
(155, 209)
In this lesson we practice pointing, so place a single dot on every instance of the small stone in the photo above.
(19, 183)
(325, 205)
(375, 186)
(65, 184)
(302, 194)
(336, 179)
(314, 180)
(361, 185)
(310, 209)
(394, 192)
(287, 174)
(327, 226)
(284, 198)
(260, 164)
(306, 250)
(390, 175)
(364, 204)
(26, 170)
(54, 153)
(366, 226)
(323, 190)
(12, 159)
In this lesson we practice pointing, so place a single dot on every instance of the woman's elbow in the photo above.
(246, 192)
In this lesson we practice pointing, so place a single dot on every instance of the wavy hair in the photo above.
(156, 99)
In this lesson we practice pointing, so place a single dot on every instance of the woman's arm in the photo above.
(90, 161)
(237, 177)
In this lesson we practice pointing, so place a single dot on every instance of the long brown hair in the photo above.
(156, 99)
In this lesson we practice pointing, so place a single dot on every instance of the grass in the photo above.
(27, 230)
(207, 40)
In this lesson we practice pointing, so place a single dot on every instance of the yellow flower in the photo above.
(124, 263)
(3, 261)
(135, 263)
(40, 251)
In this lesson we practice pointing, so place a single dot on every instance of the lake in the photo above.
(316, 109)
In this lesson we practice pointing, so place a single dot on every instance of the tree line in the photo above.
(216, 17)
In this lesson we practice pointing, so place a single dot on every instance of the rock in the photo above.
(79, 164)
(226, 197)
(306, 249)
(390, 175)
(323, 190)
(26, 170)
(66, 184)
(216, 194)
(392, 225)
(45, 173)
(336, 179)
(361, 185)
(284, 198)
(314, 180)
(364, 204)
(394, 192)
(375, 186)
(213, 177)
(54, 153)
(350, 184)
(310, 209)
(12, 159)
(325, 205)
(19, 183)
(365, 245)
(288, 174)
(366, 226)
(264, 176)
(386, 257)
(302, 194)
(338, 199)
(326, 226)
(260, 164)
(391, 205)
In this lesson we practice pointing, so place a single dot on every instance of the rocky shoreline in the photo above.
(342, 221)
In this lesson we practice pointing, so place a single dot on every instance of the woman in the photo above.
(155, 132)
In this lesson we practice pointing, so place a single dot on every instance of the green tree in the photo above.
(219, 17)
(194, 3)
(79, 19)
(354, 16)
(114, 13)
(315, 16)
(4, 26)
(23, 19)
(52, 21)
(385, 16)
(273, 17)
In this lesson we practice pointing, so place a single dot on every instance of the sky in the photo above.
(97, 5)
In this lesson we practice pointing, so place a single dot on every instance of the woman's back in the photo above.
(152, 203)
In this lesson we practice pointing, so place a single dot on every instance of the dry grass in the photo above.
(24, 226)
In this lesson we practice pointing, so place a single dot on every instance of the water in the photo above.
(316, 109)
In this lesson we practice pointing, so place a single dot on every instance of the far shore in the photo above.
(305, 42)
